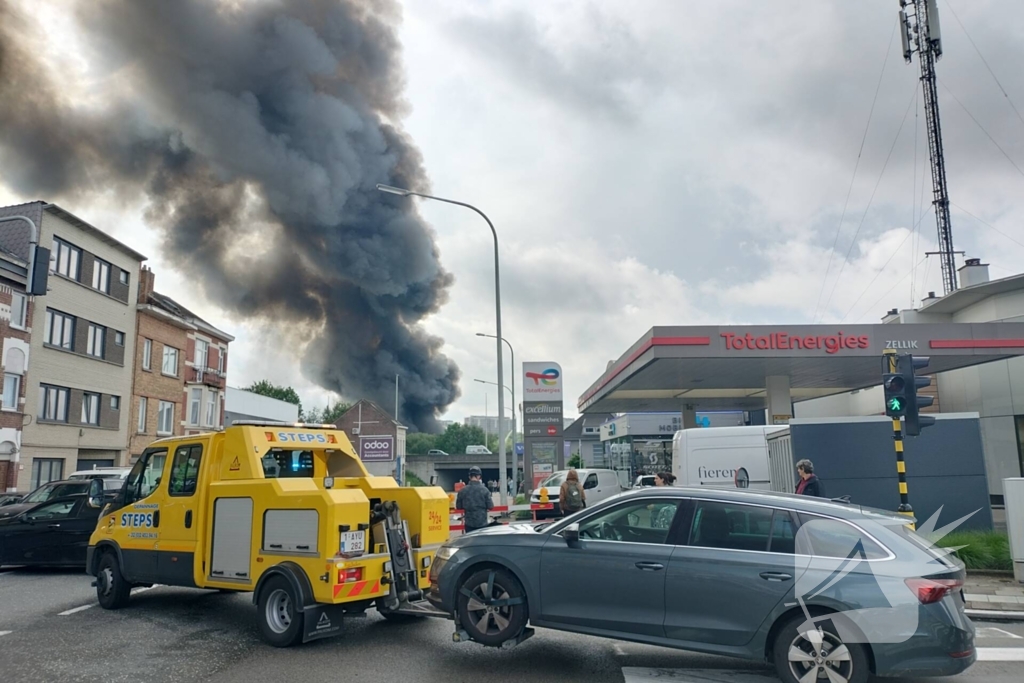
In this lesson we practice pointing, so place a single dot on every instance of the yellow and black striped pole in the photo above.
(897, 437)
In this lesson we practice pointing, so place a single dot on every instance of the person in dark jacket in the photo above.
(475, 500)
(809, 484)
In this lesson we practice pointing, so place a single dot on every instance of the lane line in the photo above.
(993, 632)
(6, 633)
(75, 610)
(1001, 654)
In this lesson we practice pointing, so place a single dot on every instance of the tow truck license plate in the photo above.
(353, 542)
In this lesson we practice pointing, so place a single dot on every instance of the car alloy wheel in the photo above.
(817, 655)
(492, 607)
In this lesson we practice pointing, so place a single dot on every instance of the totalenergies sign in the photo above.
(830, 343)
(542, 382)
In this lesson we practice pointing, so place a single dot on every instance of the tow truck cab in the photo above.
(286, 511)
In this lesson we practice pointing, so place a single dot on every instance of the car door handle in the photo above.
(188, 519)
(53, 526)
(776, 576)
(156, 518)
(650, 566)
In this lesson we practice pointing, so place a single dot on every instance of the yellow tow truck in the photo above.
(286, 511)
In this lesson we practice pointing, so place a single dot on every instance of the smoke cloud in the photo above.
(257, 131)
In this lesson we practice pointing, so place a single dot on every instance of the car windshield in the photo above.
(50, 491)
(555, 479)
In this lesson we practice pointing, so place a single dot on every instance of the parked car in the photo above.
(10, 498)
(598, 485)
(52, 533)
(113, 477)
(478, 450)
(643, 481)
(824, 591)
(436, 451)
(46, 492)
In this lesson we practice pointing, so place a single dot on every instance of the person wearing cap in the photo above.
(474, 500)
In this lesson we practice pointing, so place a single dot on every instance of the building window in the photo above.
(194, 404)
(65, 259)
(124, 278)
(170, 366)
(101, 276)
(54, 404)
(165, 421)
(147, 354)
(90, 409)
(12, 390)
(45, 470)
(211, 409)
(60, 329)
(19, 310)
(202, 353)
(143, 404)
(115, 403)
(97, 340)
(119, 338)
(221, 353)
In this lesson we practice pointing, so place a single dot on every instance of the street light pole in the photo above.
(502, 463)
(511, 410)
(33, 242)
(515, 458)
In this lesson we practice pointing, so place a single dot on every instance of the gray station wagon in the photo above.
(824, 591)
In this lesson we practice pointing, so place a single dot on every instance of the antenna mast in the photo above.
(919, 29)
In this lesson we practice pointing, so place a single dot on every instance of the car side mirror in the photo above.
(571, 534)
(96, 493)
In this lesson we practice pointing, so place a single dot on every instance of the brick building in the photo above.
(15, 332)
(377, 437)
(180, 370)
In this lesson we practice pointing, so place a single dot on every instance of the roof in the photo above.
(575, 430)
(968, 296)
(375, 406)
(726, 367)
(95, 232)
(14, 235)
(175, 309)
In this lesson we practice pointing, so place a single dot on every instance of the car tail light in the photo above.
(350, 574)
(961, 655)
(929, 591)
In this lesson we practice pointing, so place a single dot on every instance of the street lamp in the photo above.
(33, 242)
(402, 192)
(512, 352)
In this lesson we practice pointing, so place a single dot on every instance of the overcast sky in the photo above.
(674, 163)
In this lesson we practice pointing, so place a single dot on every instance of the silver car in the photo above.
(824, 591)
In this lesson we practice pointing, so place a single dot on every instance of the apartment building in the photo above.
(15, 332)
(81, 351)
(180, 370)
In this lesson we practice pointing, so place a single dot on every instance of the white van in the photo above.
(597, 486)
(478, 450)
(113, 477)
(723, 457)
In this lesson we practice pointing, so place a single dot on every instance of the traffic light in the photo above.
(907, 366)
(896, 399)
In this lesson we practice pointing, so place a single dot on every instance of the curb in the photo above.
(991, 573)
(993, 615)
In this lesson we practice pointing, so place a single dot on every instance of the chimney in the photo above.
(973, 272)
(146, 280)
(892, 315)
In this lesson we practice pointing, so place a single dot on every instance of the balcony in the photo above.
(207, 376)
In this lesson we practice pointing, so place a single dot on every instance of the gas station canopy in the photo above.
(724, 367)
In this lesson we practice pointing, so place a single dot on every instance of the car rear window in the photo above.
(926, 545)
(825, 537)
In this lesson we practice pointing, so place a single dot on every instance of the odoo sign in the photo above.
(376, 448)
(831, 343)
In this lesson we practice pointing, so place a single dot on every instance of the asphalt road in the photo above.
(52, 630)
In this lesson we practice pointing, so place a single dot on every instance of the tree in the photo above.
(419, 443)
(575, 461)
(332, 414)
(266, 388)
(457, 437)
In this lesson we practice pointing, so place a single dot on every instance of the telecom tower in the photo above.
(919, 28)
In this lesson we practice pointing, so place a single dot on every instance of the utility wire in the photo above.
(1012, 239)
(882, 269)
(856, 166)
(898, 283)
(871, 199)
(913, 200)
(978, 123)
(985, 62)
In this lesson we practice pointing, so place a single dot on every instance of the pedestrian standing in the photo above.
(474, 500)
(571, 497)
(663, 514)
(511, 487)
(809, 484)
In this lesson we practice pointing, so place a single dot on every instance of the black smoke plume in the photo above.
(257, 131)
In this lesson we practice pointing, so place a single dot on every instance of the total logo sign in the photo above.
(542, 381)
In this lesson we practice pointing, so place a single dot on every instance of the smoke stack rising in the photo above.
(257, 132)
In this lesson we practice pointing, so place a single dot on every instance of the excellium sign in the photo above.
(832, 343)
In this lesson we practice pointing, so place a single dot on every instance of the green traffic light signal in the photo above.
(895, 386)
(896, 404)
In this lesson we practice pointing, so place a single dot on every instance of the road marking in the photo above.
(646, 675)
(74, 610)
(1001, 654)
(993, 632)
(144, 589)
(6, 633)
